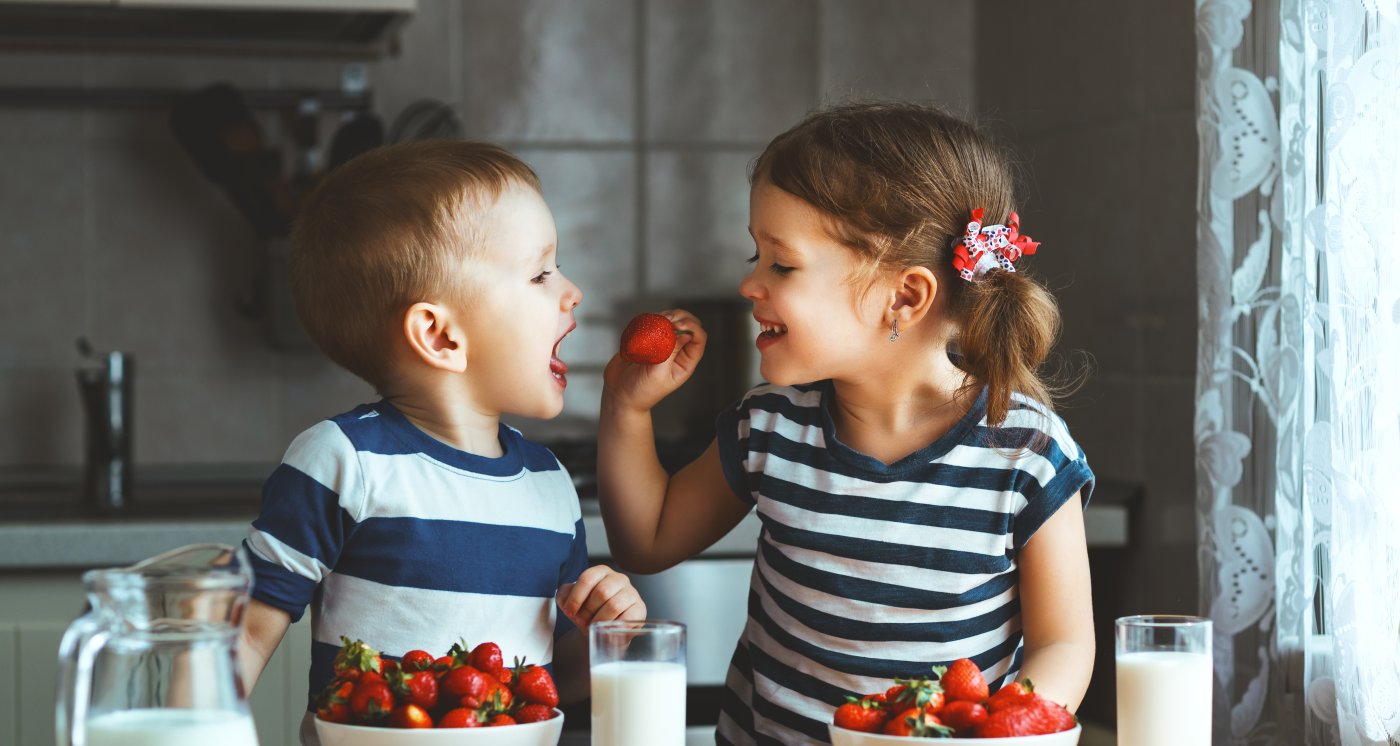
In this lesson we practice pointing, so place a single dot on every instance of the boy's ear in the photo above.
(436, 337)
(913, 295)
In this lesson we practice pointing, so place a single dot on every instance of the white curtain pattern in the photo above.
(1298, 380)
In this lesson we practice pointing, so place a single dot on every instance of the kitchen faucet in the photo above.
(105, 383)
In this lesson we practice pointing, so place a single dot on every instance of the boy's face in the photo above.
(524, 310)
(817, 324)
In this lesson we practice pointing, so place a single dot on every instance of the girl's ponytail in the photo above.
(1010, 322)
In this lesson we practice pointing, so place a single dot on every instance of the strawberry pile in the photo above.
(955, 703)
(461, 689)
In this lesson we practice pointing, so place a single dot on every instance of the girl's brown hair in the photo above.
(899, 182)
(390, 228)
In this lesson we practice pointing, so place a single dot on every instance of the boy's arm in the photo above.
(264, 627)
(571, 666)
(1056, 607)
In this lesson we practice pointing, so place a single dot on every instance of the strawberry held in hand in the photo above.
(648, 339)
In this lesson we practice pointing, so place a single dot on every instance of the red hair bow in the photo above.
(985, 248)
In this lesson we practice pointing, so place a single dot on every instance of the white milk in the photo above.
(1164, 699)
(638, 704)
(172, 726)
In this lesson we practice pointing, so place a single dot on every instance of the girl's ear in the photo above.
(435, 336)
(913, 295)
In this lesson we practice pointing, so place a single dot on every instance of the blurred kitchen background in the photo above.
(641, 117)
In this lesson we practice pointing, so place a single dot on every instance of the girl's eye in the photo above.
(779, 269)
(540, 278)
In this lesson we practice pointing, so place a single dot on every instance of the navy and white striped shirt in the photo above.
(867, 571)
(402, 541)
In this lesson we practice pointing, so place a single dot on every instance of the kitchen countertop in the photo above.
(44, 524)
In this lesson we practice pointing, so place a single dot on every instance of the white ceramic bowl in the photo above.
(543, 733)
(843, 737)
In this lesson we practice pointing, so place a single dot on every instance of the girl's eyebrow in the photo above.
(770, 238)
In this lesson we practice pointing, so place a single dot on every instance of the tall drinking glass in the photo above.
(637, 671)
(1164, 680)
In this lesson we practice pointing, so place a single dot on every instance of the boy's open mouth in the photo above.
(557, 368)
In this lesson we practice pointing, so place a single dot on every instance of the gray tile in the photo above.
(1103, 418)
(883, 49)
(428, 64)
(729, 70)
(312, 389)
(24, 68)
(593, 196)
(1082, 202)
(1167, 57)
(697, 223)
(1168, 439)
(548, 70)
(172, 260)
(1043, 66)
(207, 417)
(42, 418)
(178, 72)
(44, 304)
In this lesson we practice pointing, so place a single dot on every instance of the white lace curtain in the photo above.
(1298, 380)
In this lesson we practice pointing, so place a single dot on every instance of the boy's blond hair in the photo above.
(390, 228)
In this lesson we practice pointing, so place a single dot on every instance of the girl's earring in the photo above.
(894, 330)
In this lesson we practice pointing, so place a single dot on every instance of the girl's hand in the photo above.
(601, 594)
(639, 386)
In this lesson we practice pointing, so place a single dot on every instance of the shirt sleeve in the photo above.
(303, 524)
(1068, 473)
(732, 439)
(572, 568)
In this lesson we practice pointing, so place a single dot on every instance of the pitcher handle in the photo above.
(76, 653)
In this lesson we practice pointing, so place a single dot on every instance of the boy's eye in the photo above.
(753, 258)
(540, 278)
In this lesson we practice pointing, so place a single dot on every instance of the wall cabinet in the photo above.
(36, 608)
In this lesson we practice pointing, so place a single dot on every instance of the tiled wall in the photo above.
(640, 115)
(1104, 122)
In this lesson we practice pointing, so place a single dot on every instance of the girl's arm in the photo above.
(1056, 607)
(655, 520)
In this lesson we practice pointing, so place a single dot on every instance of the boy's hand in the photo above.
(639, 386)
(601, 594)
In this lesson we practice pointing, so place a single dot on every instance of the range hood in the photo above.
(337, 28)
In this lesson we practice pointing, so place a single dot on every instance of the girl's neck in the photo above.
(905, 408)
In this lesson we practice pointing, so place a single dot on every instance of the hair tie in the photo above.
(983, 248)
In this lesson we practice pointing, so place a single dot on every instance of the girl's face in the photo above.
(816, 322)
(524, 310)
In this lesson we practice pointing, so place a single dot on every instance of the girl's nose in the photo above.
(749, 286)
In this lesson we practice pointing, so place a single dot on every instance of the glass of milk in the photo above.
(1163, 664)
(637, 670)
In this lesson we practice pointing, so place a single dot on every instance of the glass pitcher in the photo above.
(155, 660)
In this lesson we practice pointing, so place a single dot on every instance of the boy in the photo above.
(428, 269)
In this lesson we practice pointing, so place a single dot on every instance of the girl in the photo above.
(920, 501)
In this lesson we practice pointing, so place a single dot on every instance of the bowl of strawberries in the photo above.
(955, 707)
(464, 697)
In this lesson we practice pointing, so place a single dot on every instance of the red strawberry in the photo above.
(1035, 717)
(333, 705)
(501, 719)
(416, 660)
(963, 680)
(533, 713)
(410, 716)
(467, 684)
(506, 676)
(963, 716)
(1011, 695)
(863, 715)
(461, 717)
(534, 684)
(354, 658)
(648, 339)
(371, 700)
(916, 722)
(418, 688)
(487, 657)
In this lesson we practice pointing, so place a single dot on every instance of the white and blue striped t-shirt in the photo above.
(867, 571)
(404, 542)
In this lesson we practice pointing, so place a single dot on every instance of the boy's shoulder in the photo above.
(536, 456)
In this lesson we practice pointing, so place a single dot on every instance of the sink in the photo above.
(184, 493)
